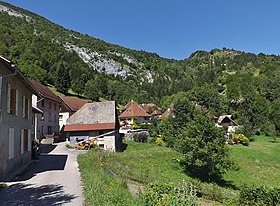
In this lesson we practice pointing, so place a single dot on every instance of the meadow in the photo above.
(258, 163)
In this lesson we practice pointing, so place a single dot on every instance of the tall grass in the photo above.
(99, 187)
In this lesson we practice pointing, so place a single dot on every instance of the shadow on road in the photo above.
(47, 148)
(47, 162)
(27, 194)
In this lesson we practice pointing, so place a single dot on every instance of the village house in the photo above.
(167, 113)
(69, 106)
(96, 121)
(152, 109)
(15, 118)
(47, 122)
(133, 114)
(227, 122)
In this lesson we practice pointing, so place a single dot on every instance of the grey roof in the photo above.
(94, 113)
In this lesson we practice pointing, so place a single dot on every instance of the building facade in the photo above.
(15, 118)
(69, 106)
(48, 121)
(96, 121)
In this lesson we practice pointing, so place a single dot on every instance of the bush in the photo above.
(242, 139)
(2, 185)
(140, 136)
(212, 192)
(167, 195)
(151, 140)
(159, 141)
(259, 196)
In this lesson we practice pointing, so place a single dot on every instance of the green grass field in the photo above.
(259, 165)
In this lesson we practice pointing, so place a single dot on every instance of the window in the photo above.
(25, 107)
(101, 146)
(43, 103)
(24, 141)
(60, 117)
(54, 106)
(11, 143)
(49, 129)
(12, 100)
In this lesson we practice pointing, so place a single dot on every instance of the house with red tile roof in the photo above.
(167, 113)
(95, 121)
(47, 122)
(134, 114)
(69, 106)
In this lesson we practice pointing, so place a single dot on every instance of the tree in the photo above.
(183, 111)
(206, 155)
(62, 80)
(91, 90)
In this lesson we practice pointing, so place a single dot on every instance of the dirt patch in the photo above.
(134, 188)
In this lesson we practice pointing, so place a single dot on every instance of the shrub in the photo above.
(140, 136)
(165, 195)
(212, 192)
(259, 196)
(159, 141)
(242, 139)
(151, 140)
(2, 185)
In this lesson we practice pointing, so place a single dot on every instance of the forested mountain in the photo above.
(223, 80)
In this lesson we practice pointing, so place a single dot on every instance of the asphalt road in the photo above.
(52, 180)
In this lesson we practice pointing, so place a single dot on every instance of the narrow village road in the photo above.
(53, 180)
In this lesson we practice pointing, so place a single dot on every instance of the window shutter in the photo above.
(16, 108)
(8, 98)
(13, 100)
(25, 146)
(21, 141)
(28, 108)
(11, 143)
(29, 140)
(23, 106)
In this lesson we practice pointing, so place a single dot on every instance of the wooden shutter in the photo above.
(11, 143)
(13, 101)
(8, 98)
(23, 107)
(22, 141)
(16, 106)
(25, 146)
(29, 140)
(27, 102)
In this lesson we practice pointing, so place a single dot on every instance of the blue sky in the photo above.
(173, 29)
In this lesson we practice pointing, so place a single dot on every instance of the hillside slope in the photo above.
(222, 80)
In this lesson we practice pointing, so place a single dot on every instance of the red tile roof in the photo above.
(167, 113)
(134, 110)
(45, 91)
(89, 127)
(71, 104)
